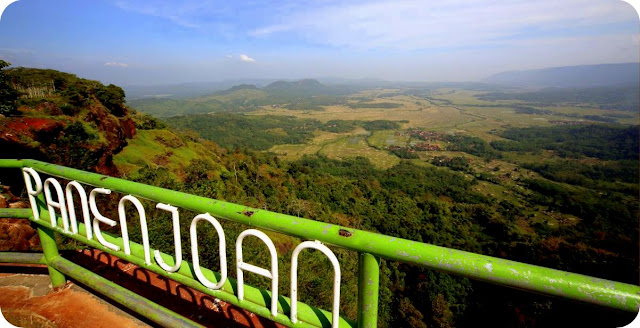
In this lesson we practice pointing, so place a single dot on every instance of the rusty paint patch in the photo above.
(247, 213)
(103, 178)
(345, 233)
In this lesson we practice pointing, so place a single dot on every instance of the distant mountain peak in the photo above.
(243, 86)
(237, 88)
(579, 76)
(309, 82)
(304, 83)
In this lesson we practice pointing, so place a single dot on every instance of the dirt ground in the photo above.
(28, 301)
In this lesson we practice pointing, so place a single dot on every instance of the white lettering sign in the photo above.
(70, 227)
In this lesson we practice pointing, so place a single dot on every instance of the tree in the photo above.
(8, 94)
(112, 97)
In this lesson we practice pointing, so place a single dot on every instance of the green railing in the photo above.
(370, 247)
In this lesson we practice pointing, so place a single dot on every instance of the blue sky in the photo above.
(163, 42)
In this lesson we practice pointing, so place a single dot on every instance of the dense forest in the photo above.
(232, 130)
(433, 205)
(625, 98)
(600, 141)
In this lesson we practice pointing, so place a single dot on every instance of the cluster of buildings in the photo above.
(564, 122)
(417, 147)
(422, 135)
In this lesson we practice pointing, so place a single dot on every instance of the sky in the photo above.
(142, 42)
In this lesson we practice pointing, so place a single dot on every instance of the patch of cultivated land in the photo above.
(447, 111)
(357, 146)
(321, 138)
(386, 138)
(416, 115)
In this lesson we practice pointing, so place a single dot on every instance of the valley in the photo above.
(473, 168)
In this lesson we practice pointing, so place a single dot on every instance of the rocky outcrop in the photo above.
(74, 122)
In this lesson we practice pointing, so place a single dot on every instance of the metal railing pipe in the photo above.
(255, 300)
(15, 213)
(18, 257)
(368, 290)
(480, 267)
(133, 301)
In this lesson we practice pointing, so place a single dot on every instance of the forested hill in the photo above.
(572, 76)
(60, 118)
(303, 94)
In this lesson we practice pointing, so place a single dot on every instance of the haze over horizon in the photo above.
(159, 42)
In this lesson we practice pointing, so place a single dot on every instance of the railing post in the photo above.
(49, 246)
(368, 289)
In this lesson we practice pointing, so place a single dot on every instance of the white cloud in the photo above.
(247, 59)
(116, 64)
(419, 24)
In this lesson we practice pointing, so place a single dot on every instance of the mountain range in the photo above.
(583, 76)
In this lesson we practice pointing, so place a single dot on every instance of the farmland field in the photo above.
(358, 146)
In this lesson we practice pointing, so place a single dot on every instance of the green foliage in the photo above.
(255, 132)
(76, 93)
(531, 110)
(170, 107)
(67, 91)
(378, 125)
(299, 95)
(622, 176)
(428, 204)
(599, 118)
(472, 145)
(112, 97)
(71, 145)
(607, 142)
(457, 163)
(8, 94)
(339, 126)
(148, 122)
(610, 97)
(403, 152)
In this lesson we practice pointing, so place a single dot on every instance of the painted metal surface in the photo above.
(195, 259)
(15, 213)
(316, 244)
(368, 290)
(99, 218)
(499, 271)
(18, 257)
(143, 227)
(254, 299)
(176, 240)
(84, 206)
(50, 250)
(137, 303)
(52, 205)
(243, 266)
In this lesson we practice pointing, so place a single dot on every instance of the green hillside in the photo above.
(303, 94)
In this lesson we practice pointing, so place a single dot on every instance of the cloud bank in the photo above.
(418, 24)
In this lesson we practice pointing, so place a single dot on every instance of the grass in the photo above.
(357, 146)
(321, 138)
(160, 148)
(386, 138)
(294, 152)
(418, 115)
